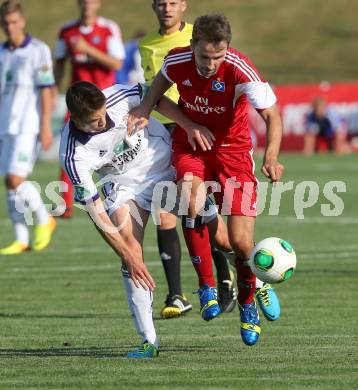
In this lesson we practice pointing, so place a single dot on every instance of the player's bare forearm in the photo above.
(271, 167)
(171, 110)
(104, 59)
(158, 88)
(106, 228)
(197, 134)
(46, 104)
(112, 236)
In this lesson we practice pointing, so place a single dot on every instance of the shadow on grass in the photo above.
(93, 352)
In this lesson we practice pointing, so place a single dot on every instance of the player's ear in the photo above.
(183, 5)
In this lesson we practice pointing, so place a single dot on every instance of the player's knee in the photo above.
(242, 247)
(167, 221)
(12, 181)
(222, 242)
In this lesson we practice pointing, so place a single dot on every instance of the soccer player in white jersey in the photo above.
(26, 79)
(95, 140)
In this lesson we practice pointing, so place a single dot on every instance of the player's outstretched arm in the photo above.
(138, 116)
(271, 167)
(134, 264)
(197, 134)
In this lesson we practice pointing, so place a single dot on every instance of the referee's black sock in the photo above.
(170, 254)
(221, 265)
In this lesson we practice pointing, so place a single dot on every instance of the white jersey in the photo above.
(23, 72)
(137, 163)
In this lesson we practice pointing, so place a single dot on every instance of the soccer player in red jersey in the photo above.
(94, 46)
(216, 83)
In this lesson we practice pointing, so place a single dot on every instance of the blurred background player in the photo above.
(94, 46)
(215, 83)
(174, 32)
(26, 79)
(325, 130)
(131, 71)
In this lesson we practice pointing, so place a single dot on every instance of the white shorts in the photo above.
(139, 182)
(18, 154)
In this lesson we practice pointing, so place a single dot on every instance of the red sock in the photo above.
(198, 243)
(68, 195)
(246, 281)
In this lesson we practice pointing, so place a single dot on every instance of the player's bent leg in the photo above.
(22, 236)
(176, 303)
(197, 239)
(131, 221)
(45, 224)
(241, 231)
(220, 245)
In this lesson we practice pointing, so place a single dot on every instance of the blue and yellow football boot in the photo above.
(268, 302)
(250, 323)
(209, 306)
(145, 351)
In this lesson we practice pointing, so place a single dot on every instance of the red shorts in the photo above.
(229, 176)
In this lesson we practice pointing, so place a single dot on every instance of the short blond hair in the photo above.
(9, 7)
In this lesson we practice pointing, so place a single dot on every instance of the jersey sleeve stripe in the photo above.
(122, 97)
(67, 161)
(121, 92)
(243, 70)
(171, 59)
(165, 74)
(166, 64)
(244, 65)
(70, 161)
(187, 53)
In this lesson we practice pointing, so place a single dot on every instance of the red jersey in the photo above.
(105, 35)
(220, 101)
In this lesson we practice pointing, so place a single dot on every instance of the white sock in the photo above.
(140, 305)
(30, 195)
(259, 283)
(18, 220)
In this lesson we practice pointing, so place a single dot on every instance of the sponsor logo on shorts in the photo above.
(196, 259)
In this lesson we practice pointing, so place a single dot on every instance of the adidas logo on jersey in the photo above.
(187, 83)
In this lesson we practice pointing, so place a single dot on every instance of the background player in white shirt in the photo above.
(26, 79)
(96, 140)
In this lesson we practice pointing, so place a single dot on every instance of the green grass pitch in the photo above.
(64, 322)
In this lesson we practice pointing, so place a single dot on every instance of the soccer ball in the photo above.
(273, 260)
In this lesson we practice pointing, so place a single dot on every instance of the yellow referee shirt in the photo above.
(153, 48)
